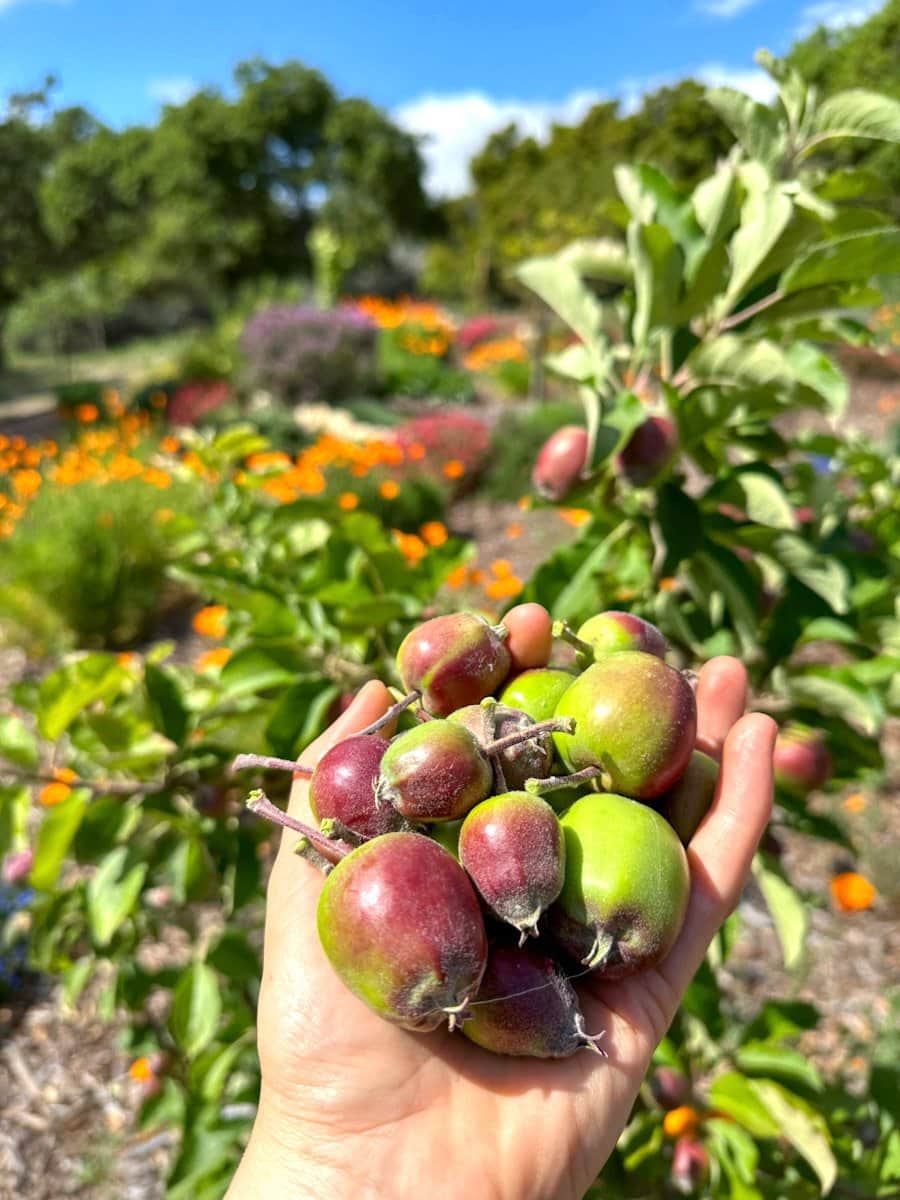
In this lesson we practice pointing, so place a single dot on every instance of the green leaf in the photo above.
(734, 1094)
(857, 258)
(680, 526)
(234, 957)
(803, 1127)
(237, 442)
(658, 265)
(253, 670)
(764, 219)
(167, 706)
(755, 126)
(816, 371)
(72, 688)
(599, 258)
(17, 743)
(112, 895)
(575, 362)
(190, 870)
(55, 835)
(558, 285)
(778, 1062)
(822, 574)
(856, 113)
(788, 910)
(762, 498)
(15, 803)
(196, 1009)
(856, 703)
(300, 715)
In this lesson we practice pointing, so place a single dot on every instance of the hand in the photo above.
(352, 1106)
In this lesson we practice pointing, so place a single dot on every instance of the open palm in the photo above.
(353, 1106)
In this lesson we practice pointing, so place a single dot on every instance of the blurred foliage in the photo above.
(517, 439)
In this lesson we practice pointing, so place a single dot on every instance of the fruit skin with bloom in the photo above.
(402, 927)
(611, 632)
(513, 850)
(342, 786)
(626, 889)
(686, 803)
(528, 760)
(453, 661)
(649, 450)
(434, 772)
(537, 692)
(561, 462)
(690, 1165)
(802, 762)
(635, 718)
(532, 1010)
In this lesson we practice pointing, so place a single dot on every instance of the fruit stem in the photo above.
(392, 713)
(564, 631)
(260, 804)
(589, 1040)
(266, 763)
(553, 783)
(554, 725)
(331, 827)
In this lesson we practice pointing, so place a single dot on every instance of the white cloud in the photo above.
(836, 14)
(456, 126)
(725, 9)
(172, 91)
(6, 5)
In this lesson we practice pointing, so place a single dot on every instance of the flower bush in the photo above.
(452, 444)
(305, 354)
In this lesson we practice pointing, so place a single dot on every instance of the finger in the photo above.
(530, 636)
(371, 702)
(722, 849)
(721, 700)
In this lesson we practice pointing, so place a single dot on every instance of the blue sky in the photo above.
(452, 72)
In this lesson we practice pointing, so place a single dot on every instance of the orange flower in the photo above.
(390, 490)
(411, 547)
(852, 892)
(502, 568)
(213, 659)
(504, 588)
(210, 621)
(454, 469)
(575, 516)
(434, 533)
(53, 794)
(856, 803)
(141, 1070)
(514, 530)
(457, 577)
(126, 658)
(681, 1122)
(26, 482)
(476, 576)
(157, 478)
(159, 399)
(64, 775)
(86, 414)
(668, 584)
(164, 515)
(267, 459)
(416, 451)
(348, 501)
(491, 354)
(170, 444)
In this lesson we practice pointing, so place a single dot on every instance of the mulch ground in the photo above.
(68, 1106)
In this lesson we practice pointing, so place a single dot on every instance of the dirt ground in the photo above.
(67, 1104)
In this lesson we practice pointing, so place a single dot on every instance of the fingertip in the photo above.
(530, 638)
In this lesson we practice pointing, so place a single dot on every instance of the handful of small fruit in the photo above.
(525, 827)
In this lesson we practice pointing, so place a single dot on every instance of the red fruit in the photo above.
(686, 803)
(343, 786)
(435, 772)
(611, 632)
(802, 763)
(526, 1006)
(650, 448)
(690, 1165)
(670, 1088)
(513, 849)
(561, 462)
(528, 760)
(453, 661)
(402, 927)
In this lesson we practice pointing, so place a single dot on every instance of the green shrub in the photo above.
(405, 373)
(87, 563)
(517, 439)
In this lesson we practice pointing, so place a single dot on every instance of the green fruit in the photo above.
(626, 888)
(611, 632)
(636, 719)
(537, 692)
(686, 804)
